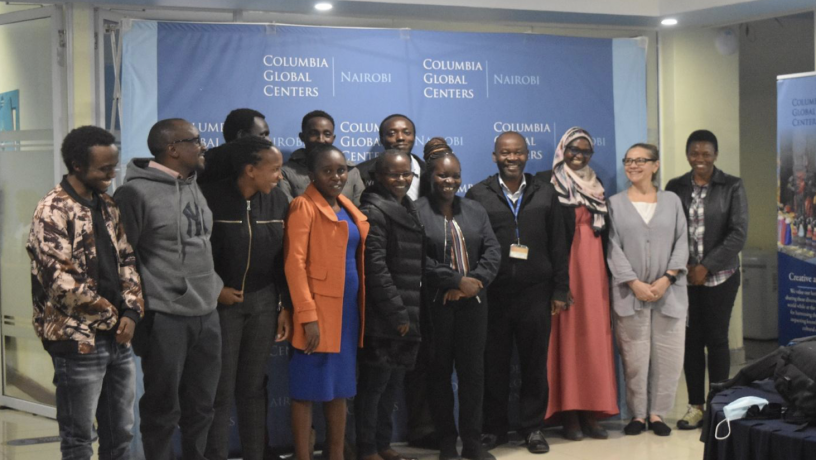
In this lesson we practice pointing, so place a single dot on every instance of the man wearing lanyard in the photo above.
(532, 285)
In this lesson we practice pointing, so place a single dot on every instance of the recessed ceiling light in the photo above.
(669, 22)
(323, 6)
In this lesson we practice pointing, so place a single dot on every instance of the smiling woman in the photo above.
(648, 252)
(715, 239)
(327, 285)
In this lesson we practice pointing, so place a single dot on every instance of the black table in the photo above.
(757, 439)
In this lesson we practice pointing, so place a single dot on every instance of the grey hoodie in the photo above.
(168, 223)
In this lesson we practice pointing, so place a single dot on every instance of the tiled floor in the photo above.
(683, 445)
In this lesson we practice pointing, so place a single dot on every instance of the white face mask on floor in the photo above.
(737, 410)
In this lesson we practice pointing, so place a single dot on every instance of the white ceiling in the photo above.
(622, 13)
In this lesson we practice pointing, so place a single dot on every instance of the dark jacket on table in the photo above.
(726, 218)
(569, 216)
(484, 251)
(541, 229)
(395, 255)
(247, 237)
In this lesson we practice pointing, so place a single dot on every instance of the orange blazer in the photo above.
(314, 249)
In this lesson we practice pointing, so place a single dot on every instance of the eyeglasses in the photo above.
(576, 151)
(636, 161)
(192, 140)
(404, 176)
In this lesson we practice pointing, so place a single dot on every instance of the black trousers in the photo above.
(420, 421)
(459, 333)
(523, 317)
(181, 364)
(247, 335)
(377, 389)
(709, 316)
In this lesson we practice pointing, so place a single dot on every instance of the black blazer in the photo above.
(541, 229)
(484, 251)
(726, 218)
(394, 260)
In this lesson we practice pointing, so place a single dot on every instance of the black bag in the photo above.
(795, 379)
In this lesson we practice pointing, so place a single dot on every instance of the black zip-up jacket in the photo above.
(726, 218)
(247, 237)
(484, 252)
(394, 259)
(541, 229)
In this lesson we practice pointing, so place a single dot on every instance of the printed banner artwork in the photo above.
(796, 197)
(465, 87)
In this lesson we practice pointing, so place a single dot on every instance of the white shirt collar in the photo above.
(513, 196)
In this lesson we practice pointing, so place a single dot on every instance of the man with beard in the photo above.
(168, 223)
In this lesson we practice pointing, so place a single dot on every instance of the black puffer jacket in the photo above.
(394, 257)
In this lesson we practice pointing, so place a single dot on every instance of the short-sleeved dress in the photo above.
(328, 376)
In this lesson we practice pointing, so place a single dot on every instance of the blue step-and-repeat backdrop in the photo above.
(466, 87)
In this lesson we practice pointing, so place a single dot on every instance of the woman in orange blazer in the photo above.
(323, 249)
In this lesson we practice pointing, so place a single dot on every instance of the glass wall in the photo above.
(27, 173)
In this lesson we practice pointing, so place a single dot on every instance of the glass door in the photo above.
(31, 119)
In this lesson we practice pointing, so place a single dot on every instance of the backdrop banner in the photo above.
(465, 87)
(796, 220)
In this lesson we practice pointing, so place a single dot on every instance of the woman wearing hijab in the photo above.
(582, 384)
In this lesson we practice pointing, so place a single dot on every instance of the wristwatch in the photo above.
(672, 278)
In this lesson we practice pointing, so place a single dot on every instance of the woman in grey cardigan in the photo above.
(648, 251)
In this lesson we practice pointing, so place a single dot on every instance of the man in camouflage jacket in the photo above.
(87, 298)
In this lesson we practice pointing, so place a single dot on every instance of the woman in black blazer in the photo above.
(462, 258)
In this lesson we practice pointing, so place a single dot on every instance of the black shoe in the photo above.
(490, 441)
(447, 450)
(591, 427)
(536, 443)
(659, 428)
(634, 427)
(478, 453)
(429, 441)
(595, 432)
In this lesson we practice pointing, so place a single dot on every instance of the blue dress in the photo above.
(328, 376)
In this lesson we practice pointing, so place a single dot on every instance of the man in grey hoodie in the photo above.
(168, 223)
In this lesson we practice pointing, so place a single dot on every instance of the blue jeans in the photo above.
(99, 384)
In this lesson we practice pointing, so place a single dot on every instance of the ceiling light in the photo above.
(669, 22)
(323, 6)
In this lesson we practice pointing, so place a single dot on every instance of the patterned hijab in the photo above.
(582, 187)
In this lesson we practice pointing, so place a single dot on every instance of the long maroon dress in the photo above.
(580, 366)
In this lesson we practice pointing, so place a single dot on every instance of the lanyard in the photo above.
(515, 207)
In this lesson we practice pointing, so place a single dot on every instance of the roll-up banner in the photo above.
(465, 87)
(796, 197)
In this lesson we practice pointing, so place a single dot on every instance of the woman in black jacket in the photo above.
(717, 213)
(247, 241)
(462, 258)
(394, 258)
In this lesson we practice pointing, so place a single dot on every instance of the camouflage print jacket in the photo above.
(64, 272)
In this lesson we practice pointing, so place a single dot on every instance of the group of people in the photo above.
(383, 279)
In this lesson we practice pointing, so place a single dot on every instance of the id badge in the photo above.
(519, 251)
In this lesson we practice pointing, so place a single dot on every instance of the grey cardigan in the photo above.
(641, 251)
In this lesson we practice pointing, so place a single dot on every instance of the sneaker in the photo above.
(692, 420)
